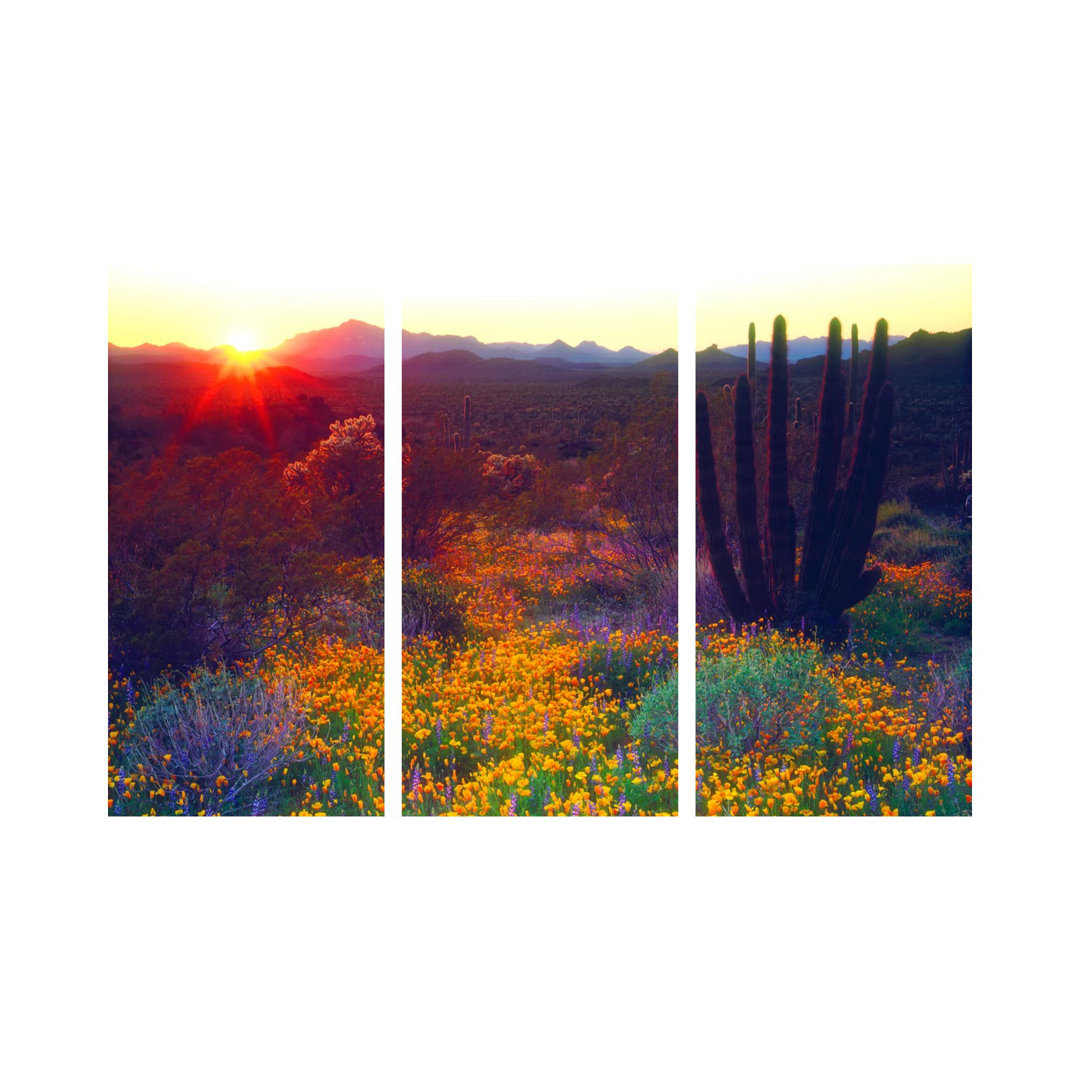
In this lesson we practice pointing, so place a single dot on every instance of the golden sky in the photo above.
(204, 314)
(646, 322)
(910, 297)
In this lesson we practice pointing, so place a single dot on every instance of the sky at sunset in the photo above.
(910, 298)
(204, 314)
(646, 322)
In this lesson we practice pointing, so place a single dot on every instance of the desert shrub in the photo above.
(441, 490)
(429, 606)
(341, 484)
(948, 696)
(212, 744)
(709, 601)
(656, 592)
(893, 514)
(656, 719)
(209, 560)
(906, 536)
(769, 695)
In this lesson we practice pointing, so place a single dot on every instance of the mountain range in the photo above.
(923, 356)
(356, 346)
(802, 347)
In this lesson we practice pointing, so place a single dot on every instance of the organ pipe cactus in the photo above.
(832, 575)
(852, 384)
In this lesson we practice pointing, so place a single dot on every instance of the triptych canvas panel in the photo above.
(539, 549)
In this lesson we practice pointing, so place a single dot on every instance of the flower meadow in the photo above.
(787, 726)
(311, 743)
(547, 706)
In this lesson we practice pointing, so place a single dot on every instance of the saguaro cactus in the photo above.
(840, 523)
(798, 412)
(466, 430)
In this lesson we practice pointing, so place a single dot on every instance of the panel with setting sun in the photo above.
(245, 550)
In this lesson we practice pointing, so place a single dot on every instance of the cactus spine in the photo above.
(840, 522)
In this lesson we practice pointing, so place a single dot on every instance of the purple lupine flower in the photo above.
(438, 728)
(414, 792)
(872, 793)
(896, 751)
(131, 691)
(258, 807)
(917, 756)
(545, 721)
(619, 756)
(907, 786)
(577, 740)
(848, 741)
(575, 810)
(952, 773)
(488, 723)
(622, 805)
(757, 773)
(512, 812)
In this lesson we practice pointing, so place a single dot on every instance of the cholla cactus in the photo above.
(334, 466)
(507, 475)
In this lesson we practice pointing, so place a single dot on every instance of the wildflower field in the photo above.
(563, 714)
(539, 616)
(789, 726)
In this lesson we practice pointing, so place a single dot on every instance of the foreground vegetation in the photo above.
(538, 609)
(245, 611)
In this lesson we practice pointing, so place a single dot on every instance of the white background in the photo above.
(624, 144)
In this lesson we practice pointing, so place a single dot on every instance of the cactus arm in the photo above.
(713, 518)
(779, 525)
(830, 437)
(837, 591)
(757, 590)
(838, 552)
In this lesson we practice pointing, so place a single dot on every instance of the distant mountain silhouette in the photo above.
(174, 352)
(461, 365)
(355, 346)
(417, 344)
(352, 346)
(802, 347)
(943, 357)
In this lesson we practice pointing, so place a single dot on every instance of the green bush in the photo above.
(655, 721)
(772, 695)
(213, 744)
(906, 536)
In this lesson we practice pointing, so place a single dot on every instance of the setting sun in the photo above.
(242, 341)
